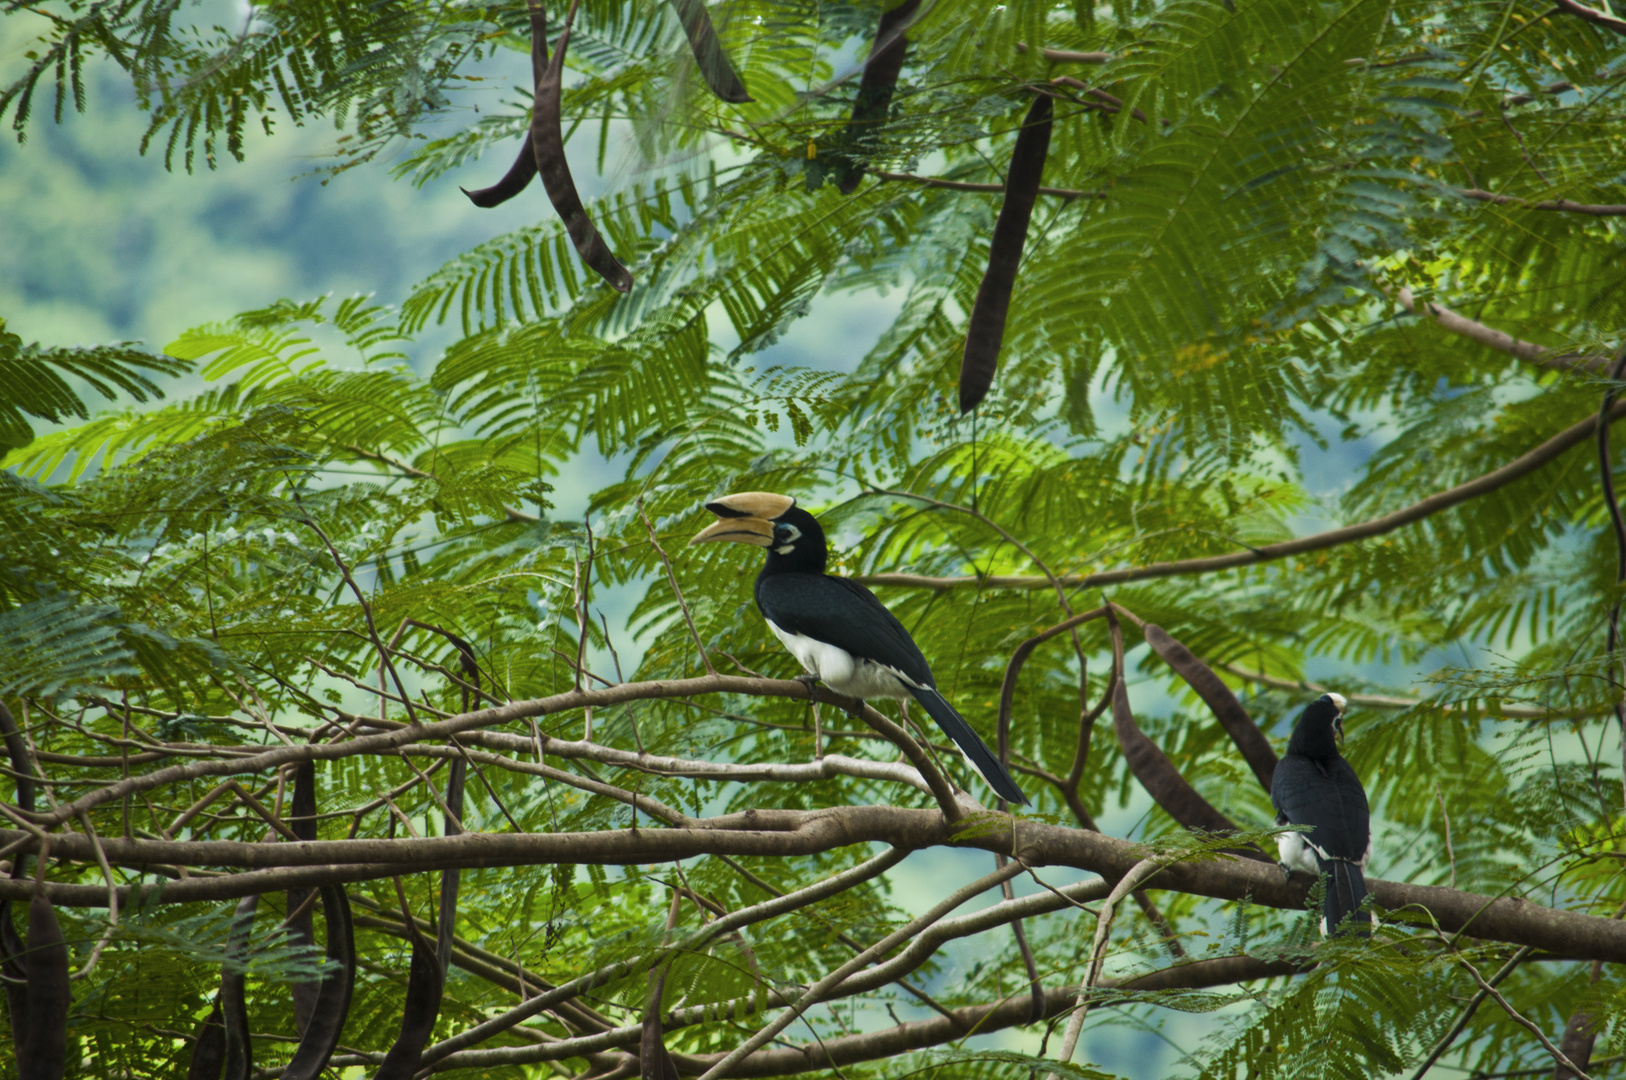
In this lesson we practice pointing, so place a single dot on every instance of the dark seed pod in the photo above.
(425, 984)
(239, 1048)
(523, 170)
(208, 1047)
(1158, 775)
(11, 964)
(517, 179)
(654, 1060)
(316, 1046)
(708, 54)
(548, 144)
(880, 78)
(1220, 701)
(17, 750)
(44, 1053)
(986, 332)
(301, 928)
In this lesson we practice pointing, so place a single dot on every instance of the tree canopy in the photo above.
(335, 743)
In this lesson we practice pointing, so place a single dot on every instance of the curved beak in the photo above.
(741, 530)
(746, 518)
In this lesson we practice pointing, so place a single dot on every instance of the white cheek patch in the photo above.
(785, 549)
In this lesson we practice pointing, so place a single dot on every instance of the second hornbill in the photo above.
(1315, 786)
(836, 628)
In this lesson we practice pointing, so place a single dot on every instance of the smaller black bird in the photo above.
(843, 636)
(1315, 786)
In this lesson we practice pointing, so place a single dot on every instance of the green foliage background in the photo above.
(1220, 299)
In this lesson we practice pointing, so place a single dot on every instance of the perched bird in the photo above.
(836, 628)
(1315, 786)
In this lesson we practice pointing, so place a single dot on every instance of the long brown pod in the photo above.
(986, 332)
(239, 1047)
(301, 927)
(875, 87)
(333, 1003)
(523, 170)
(44, 1052)
(655, 1062)
(426, 979)
(548, 144)
(1150, 764)
(11, 943)
(1255, 748)
(208, 1047)
(709, 57)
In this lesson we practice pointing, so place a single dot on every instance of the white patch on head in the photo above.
(792, 534)
(841, 671)
(1339, 700)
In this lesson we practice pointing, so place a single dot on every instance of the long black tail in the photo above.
(977, 754)
(1346, 888)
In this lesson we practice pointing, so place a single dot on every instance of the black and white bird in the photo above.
(836, 628)
(1315, 786)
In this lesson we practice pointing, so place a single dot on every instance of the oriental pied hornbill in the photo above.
(1315, 786)
(836, 628)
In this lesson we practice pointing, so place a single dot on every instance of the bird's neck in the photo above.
(1316, 744)
(797, 561)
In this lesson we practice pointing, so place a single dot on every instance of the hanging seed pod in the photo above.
(44, 1053)
(11, 964)
(1158, 775)
(708, 54)
(17, 751)
(239, 1048)
(986, 332)
(301, 928)
(425, 984)
(880, 78)
(11, 943)
(316, 1046)
(548, 144)
(523, 170)
(1220, 701)
(208, 1047)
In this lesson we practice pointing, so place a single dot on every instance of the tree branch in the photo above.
(1516, 469)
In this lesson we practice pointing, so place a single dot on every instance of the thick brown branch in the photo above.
(784, 833)
(1516, 469)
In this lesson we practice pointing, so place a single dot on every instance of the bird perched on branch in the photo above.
(1315, 786)
(836, 628)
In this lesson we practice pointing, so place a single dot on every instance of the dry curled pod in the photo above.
(316, 1046)
(523, 170)
(301, 928)
(21, 768)
(239, 1048)
(548, 144)
(986, 332)
(1255, 748)
(43, 1054)
(880, 79)
(708, 54)
(1158, 775)
(425, 984)
(208, 1047)
(11, 965)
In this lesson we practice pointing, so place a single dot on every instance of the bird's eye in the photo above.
(787, 534)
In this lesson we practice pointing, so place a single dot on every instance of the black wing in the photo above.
(1328, 796)
(843, 613)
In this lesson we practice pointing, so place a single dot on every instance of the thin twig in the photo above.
(1513, 1014)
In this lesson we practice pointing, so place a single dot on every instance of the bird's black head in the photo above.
(792, 535)
(1319, 728)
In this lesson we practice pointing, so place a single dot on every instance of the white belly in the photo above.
(1299, 851)
(841, 671)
